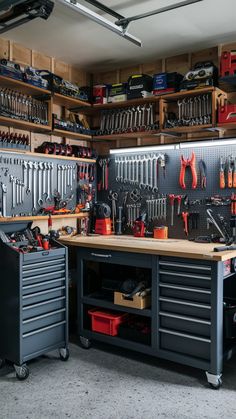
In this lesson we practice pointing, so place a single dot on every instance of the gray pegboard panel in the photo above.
(170, 185)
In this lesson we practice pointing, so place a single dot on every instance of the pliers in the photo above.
(203, 174)
(192, 164)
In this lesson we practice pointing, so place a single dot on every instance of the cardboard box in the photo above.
(135, 302)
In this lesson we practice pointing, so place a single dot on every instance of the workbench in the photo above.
(188, 284)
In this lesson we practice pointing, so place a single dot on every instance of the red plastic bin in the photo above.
(106, 322)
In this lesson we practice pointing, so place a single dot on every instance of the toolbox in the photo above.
(230, 318)
(139, 85)
(106, 321)
(228, 64)
(227, 114)
(117, 92)
(166, 83)
(137, 301)
(136, 329)
(33, 300)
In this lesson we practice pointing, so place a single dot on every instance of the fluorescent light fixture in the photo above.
(142, 149)
(213, 143)
(79, 8)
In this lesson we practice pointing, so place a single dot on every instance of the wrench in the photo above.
(4, 199)
(35, 172)
(40, 185)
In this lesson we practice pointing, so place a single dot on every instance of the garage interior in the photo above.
(117, 209)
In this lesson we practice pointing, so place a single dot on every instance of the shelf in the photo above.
(187, 129)
(69, 102)
(138, 134)
(71, 135)
(24, 125)
(49, 156)
(125, 104)
(42, 217)
(22, 86)
(194, 92)
(227, 126)
(109, 305)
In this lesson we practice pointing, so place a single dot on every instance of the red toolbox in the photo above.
(228, 64)
(107, 322)
(227, 114)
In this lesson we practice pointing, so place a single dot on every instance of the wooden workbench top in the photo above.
(170, 247)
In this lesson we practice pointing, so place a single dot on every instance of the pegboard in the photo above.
(169, 184)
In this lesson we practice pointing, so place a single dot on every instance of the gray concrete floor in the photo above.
(108, 383)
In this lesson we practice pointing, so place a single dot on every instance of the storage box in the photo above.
(136, 301)
(136, 329)
(229, 318)
(107, 322)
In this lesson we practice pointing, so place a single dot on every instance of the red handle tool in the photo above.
(185, 216)
(188, 163)
(172, 202)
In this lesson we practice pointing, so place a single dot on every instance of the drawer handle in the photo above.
(26, 335)
(44, 275)
(99, 255)
(43, 268)
(39, 284)
(189, 319)
(36, 294)
(43, 316)
(47, 263)
(185, 303)
(183, 335)
(207, 278)
(180, 265)
(54, 300)
(176, 287)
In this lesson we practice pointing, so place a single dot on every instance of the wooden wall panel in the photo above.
(78, 76)
(20, 54)
(179, 63)
(107, 77)
(152, 68)
(4, 48)
(128, 71)
(210, 54)
(62, 69)
(41, 61)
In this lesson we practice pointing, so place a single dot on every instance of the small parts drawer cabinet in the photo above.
(33, 304)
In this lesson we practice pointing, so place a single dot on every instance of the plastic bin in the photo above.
(230, 318)
(106, 322)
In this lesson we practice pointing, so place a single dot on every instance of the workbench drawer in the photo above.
(202, 311)
(190, 266)
(123, 258)
(185, 293)
(38, 277)
(43, 320)
(44, 255)
(184, 343)
(39, 340)
(42, 296)
(186, 279)
(43, 307)
(42, 286)
(192, 325)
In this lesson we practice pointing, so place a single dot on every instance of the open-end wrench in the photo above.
(30, 177)
(40, 183)
(4, 199)
(59, 179)
(35, 172)
(12, 180)
(25, 174)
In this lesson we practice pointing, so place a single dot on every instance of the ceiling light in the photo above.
(79, 8)
(142, 149)
(212, 143)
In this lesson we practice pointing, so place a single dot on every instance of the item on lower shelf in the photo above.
(67, 125)
(136, 329)
(106, 321)
(229, 318)
(137, 301)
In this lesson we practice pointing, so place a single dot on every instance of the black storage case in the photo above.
(33, 302)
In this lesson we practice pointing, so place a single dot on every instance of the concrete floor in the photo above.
(108, 383)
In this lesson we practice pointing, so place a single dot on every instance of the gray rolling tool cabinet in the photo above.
(186, 312)
(33, 303)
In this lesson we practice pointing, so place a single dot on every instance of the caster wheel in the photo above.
(216, 386)
(85, 343)
(2, 363)
(64, 354)
(22, 372)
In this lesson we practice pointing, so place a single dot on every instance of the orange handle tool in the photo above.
(222, 179)
(234, 177)
(185, 216)
(230, 179)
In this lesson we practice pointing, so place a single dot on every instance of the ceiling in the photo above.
(77, 40)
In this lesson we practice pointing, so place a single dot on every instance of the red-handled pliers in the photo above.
(192, 164)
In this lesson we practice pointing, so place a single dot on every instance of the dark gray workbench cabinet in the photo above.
(33, 305)
(186, 312)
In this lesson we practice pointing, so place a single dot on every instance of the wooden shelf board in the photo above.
(191, 129)
(227, 126)
(49, 156)
(24, 125)
(22, 86)
(140, 134)
(194, 92)
(71, 135)
(89, 299)
(42, 217)
(69, 102)
(125, 104)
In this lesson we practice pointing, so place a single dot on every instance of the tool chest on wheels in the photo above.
(33, 303)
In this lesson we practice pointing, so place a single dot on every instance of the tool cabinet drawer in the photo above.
(32, 269)
(124, 258)
(39, 340)
(202, 311)
(185, 293)
(192, 267)
(184, 343)
(42, 286)
(192, 325)
(38, 277)
(44, 255)
(42, 296)
(186, 279)
(43, 320)
(43, 307)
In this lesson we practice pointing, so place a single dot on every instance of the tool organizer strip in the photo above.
(151, 181)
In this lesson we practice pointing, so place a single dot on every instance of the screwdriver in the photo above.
(179, 199)
(222, 173)
(172, 201)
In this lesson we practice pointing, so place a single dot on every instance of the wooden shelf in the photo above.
(194, 92)
(139, 134)
(49, 156)
(192, 129)
(71, 135)
(69, 102)
(89, 299)
(125, 104)
(24, 125)
(230, 126)
(42, 217)
(22, 86)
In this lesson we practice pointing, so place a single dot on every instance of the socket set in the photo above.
(16, 105)
(14, 140)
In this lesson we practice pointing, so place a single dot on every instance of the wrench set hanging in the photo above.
(127, 120)
(16, 105)
(192, 111)
(141, 171)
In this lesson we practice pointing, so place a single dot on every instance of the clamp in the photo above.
(192, 164)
